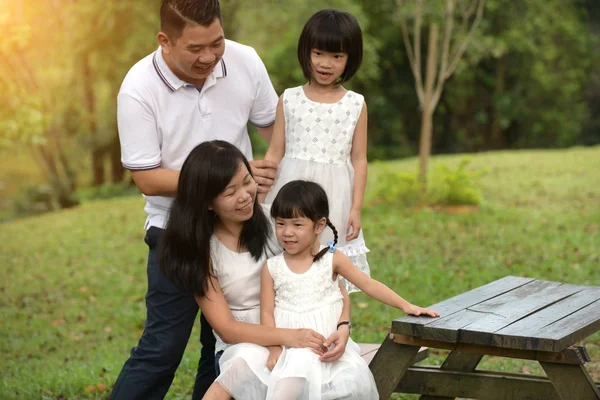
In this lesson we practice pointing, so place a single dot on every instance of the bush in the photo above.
(446, 187)
(107, 191)
(33, 200)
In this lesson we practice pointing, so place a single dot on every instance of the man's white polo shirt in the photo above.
(162, 118)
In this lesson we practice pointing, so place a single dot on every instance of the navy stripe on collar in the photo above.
(223, 67)
(160, 74)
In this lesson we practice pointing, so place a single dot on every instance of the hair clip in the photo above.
(331, 245)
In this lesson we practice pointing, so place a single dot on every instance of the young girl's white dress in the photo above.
(310, 300)
(318, 145)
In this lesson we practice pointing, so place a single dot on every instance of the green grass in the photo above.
(72, 283)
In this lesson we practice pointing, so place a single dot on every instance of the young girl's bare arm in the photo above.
(217, 312)
(267, 298)
(358, 157)
(375, 289)
(267, 310)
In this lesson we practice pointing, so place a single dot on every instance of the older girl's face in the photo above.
(236, 202)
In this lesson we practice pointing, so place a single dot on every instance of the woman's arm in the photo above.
(277, 143)
(358, 156)
(375, 289)
(217, 312)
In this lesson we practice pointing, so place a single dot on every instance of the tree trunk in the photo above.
(497, 139)
(117, 172)
(428, 105)
(90, 104)
(425, 143)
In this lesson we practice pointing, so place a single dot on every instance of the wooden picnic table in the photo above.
(512, 317)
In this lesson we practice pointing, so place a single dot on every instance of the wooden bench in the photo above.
(512, 317)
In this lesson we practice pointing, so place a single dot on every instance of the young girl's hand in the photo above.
(274, 353)
(354, 223)
(307, 338)
(339, 339)
(416, 310)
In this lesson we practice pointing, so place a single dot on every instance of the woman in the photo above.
(214, 246)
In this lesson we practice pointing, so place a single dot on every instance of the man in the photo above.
(197, 86)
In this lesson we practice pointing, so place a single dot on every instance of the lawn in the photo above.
(72, 283)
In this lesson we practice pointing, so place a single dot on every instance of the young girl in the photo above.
(300, 289)
(322, 127)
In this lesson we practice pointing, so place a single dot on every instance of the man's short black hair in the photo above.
(176, 14)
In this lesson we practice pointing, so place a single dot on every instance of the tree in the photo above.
(31, 118)
(437, 73)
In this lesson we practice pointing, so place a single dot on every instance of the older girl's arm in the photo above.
(358, 156)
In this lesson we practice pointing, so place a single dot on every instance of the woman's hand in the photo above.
(338, 338)
(416, 310)
(307, 338)
(354, 223)
(274, 353)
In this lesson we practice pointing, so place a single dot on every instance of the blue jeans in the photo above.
(217, 358)
(150, 369)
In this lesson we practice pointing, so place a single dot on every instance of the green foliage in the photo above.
(73, 281)
(448, 186)
(107, 191)
(34, 199)
(458, 186)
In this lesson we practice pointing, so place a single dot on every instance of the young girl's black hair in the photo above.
(184, 251)
(303, 199)
(334, 31)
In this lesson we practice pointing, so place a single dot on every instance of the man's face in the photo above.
(196, 52)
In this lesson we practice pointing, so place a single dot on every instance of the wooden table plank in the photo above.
(511, 307)
(575, 327)
(481, 385)
(530, 327)
(497, 312)
(456, 361)
(410, 325)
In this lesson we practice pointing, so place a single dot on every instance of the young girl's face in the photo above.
(236, 202)
(327, 67)
(297, 234)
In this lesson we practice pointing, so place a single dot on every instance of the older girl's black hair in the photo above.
(303, 199)
(184, 251)
(334, 31)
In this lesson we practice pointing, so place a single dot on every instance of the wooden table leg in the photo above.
(389, 365)
(572, 382)
(457, 361)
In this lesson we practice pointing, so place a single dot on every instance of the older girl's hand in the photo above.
(354, 223)
(307, 338)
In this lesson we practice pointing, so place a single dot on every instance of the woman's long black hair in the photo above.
(303, 199)
(184, 250)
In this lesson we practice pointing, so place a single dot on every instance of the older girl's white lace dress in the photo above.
(318, 145)
(310, 300)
